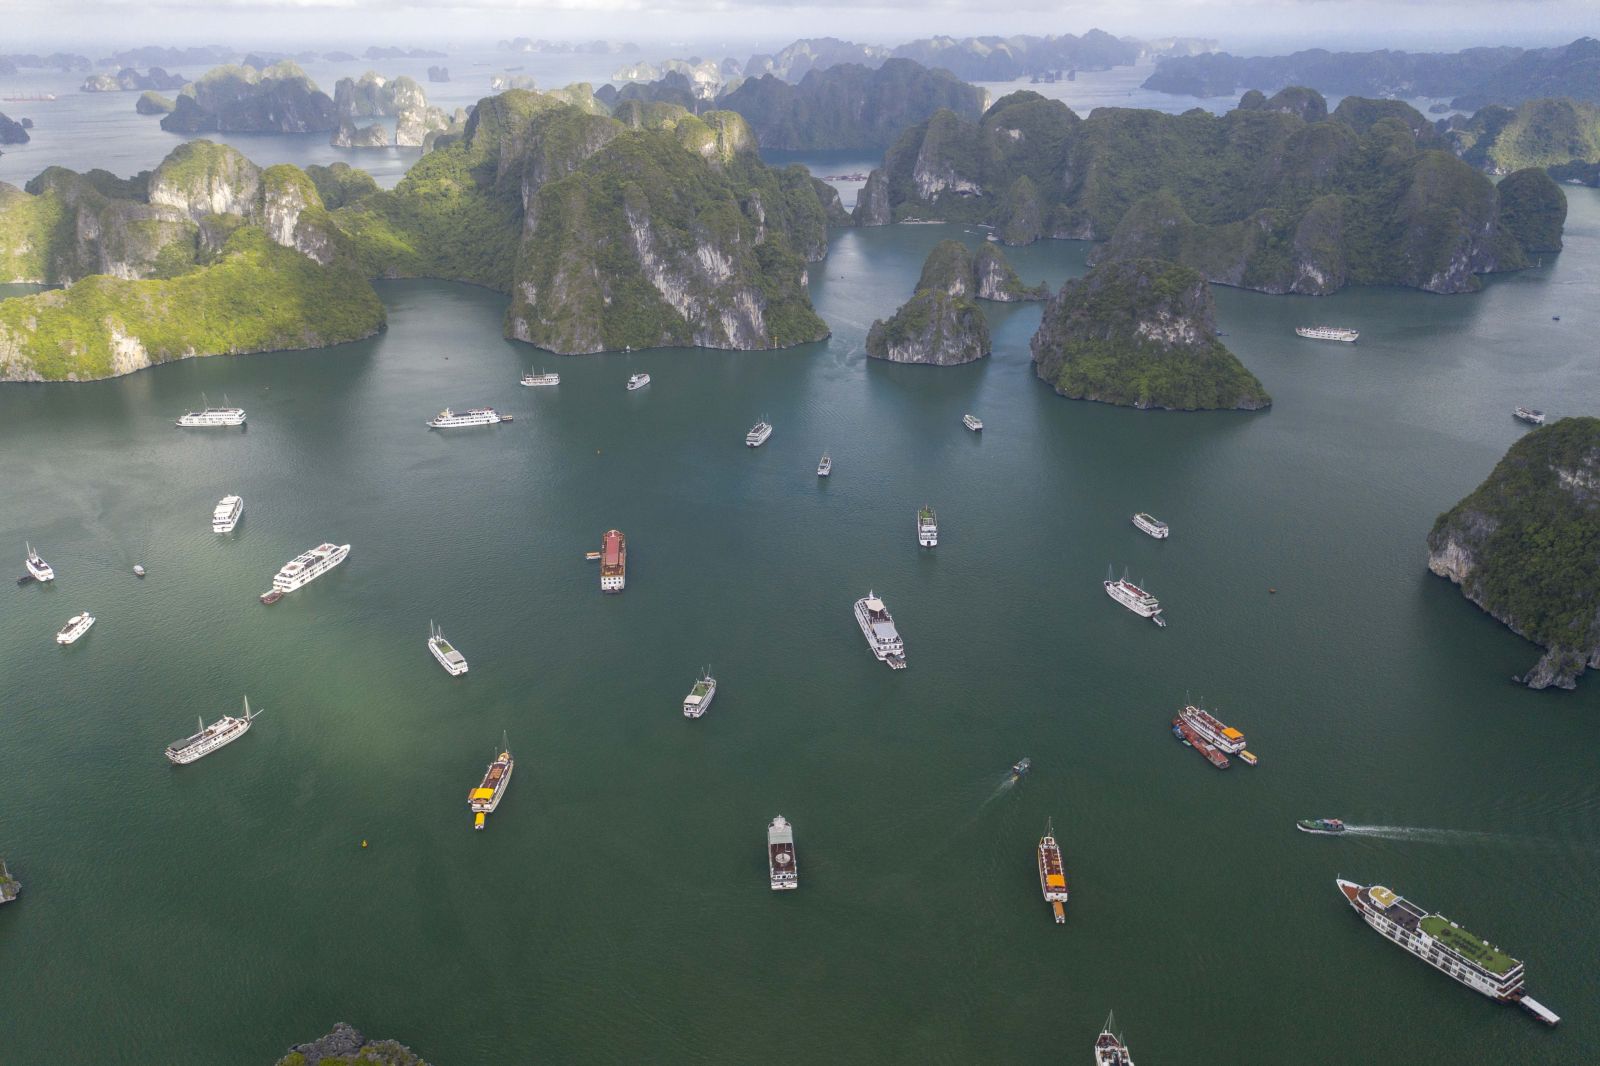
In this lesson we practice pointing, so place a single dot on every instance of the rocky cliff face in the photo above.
(373, 96)
(347, 1044)
(12, 131)
(996, 280)
(153, 103)
(130, 80)
(1522, 547)
(941, 325)
(1141, 333)
(243, 99)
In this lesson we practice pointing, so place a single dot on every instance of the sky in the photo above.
(1242, 26)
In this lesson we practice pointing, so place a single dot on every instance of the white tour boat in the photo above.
(304, 569)
(1151, 525)
(638, 381)
(76, 627)
(37, 567)
(1134, 599)
(927, 527)
(223, 731)
(486, 797)
(1529, 415)
(536, 380)
(1328, 333)
(478, 416)
(877, 625)
(972, 422)
(781, 867)
(758, 434)
(698, 701)
(209, 416)
(227, 513)
(825, 465)
(454, 663)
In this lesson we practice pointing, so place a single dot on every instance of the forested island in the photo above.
(664, 230)
(1141, 333)
(1525, 547)
(1278, 195)
(347, 1044)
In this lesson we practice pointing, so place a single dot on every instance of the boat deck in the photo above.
(1467, 945)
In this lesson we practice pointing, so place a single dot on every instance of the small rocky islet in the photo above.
(942, 324)
(347, 1044)
(1525, 547)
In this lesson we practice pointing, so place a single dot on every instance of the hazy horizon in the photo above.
(662, 27)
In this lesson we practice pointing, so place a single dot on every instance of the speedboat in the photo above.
(1020, 767)
(1326, 826)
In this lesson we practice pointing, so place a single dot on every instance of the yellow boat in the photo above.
(486, 797)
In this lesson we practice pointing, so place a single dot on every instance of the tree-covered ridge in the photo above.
(1525, 545)
(1537, 133)
(236, 98)
(941, 324)
(1259, 197)
(1141, 333)
(1472, 78)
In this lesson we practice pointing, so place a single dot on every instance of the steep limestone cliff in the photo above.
(1141, 333)
(243, 99)
(941, 325)
(1525, 547)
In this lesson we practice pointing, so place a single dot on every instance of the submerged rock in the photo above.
(1141, 333)
(1522, 546)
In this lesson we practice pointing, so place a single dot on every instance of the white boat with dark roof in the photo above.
(223, 731)
(698, 701)
(781, 867)
(972, 422)
(306, 568)
(638, 381)
(209, 416)
(1328, 333)
(225, 516)
(454, 663)
(758, 434)
(76, 627)
(1444, 945)
(38, 569)
(540, 379)
(478, 416)
(877, 625)
(825, 465)
(1152, 525)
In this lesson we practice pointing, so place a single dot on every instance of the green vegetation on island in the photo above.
(1141, 333)
(1259, 198)
(242, 99)
(1537, 133)
(1525, 546)
(941, 325)
(348, 1046)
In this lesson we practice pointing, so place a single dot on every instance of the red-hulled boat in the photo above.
(1187, 733)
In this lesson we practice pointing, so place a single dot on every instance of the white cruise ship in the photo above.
(211, 416)
(927, 528)
(698, 701)
(781, 867)
(877, 625)
(37, 567)
(76, 627)
(223, 731)
(638, 381)
(1328, 333)
(539, 379)
(972, 422)
(825, 465)
(1223, 737)
(1134, 599)
(758, 434)
(483, 800)
(454, 663)
(478, 416)
(1151, 525)
(227, 514)
(1528, 415)
(304, 569)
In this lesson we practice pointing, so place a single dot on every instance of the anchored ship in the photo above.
(698, 701)
(780, 855)
(76, 627)
(1134, 599)
(211, 416)
(223, 731)
(1109, 1050)
(1328, 333)
(1444, 945)
(1052, 875)
(1323, 826)
(1529, 415)
(1187, 733)
(225, 516)
(1225, 738)
(638, 381)
(478, 416)
(38, 569)
(613, 561)
(877, 625)
(825, 465)
(1151, 525)
(758, 434)
(454, 663)
(486, 797)
(972, 422)
(9, 886)
(536, 380)
(927, 527)
(304, 569)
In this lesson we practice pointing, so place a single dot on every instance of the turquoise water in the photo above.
(616, 908)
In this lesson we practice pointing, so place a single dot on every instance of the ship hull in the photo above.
(236, 728)
(312, 570)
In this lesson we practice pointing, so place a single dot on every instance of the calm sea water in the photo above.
(616, 908)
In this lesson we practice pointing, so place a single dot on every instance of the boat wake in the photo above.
(1422, 834)
(1010, 782)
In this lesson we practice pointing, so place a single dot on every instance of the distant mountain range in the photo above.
(1470, 78)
